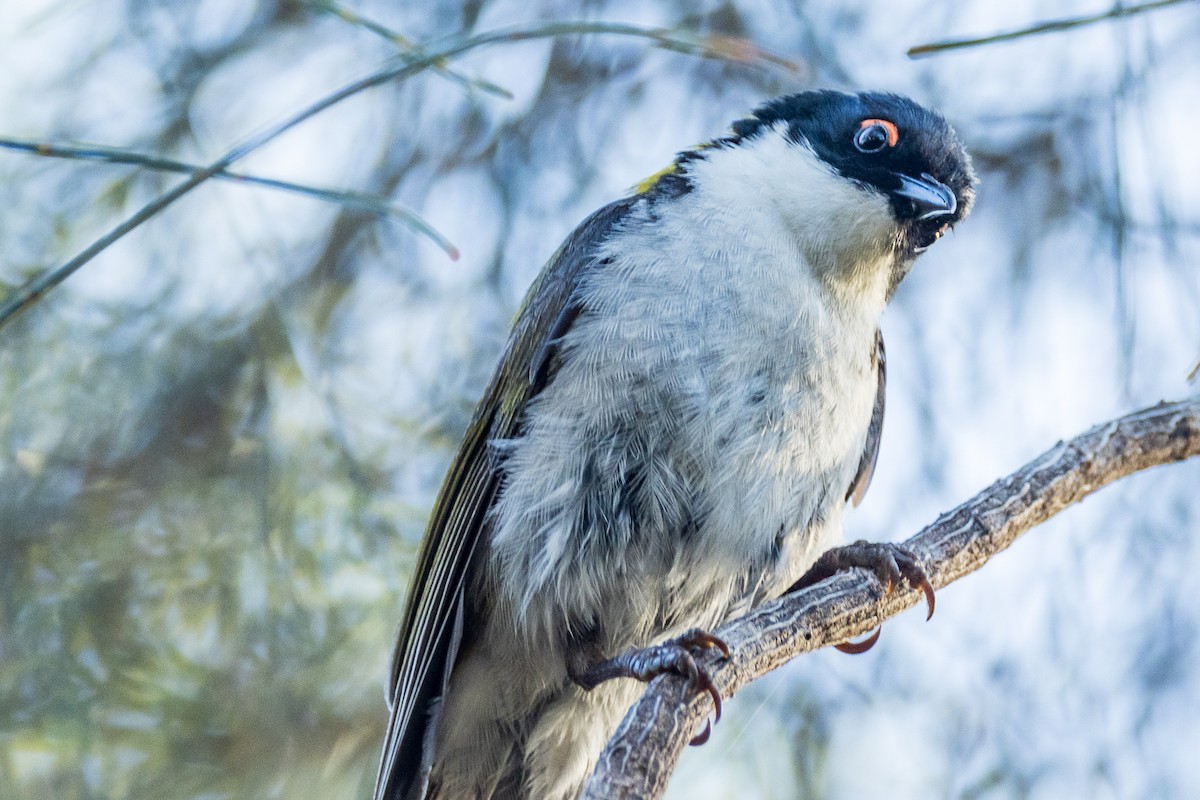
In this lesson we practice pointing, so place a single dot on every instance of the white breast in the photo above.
(694, 450)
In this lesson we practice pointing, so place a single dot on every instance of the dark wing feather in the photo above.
(427, 645)
(866, 465)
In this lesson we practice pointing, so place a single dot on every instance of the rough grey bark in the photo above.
(639, 760)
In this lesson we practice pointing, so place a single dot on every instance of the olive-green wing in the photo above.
(433, 617)
(866, 465)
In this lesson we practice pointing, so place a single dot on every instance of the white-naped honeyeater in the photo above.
(690, 395)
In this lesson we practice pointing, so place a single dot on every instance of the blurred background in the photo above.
(220, 439)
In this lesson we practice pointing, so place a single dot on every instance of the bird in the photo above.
(691, 394)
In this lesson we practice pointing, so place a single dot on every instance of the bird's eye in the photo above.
(874, 135)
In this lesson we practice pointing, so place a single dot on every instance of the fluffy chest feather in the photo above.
(699, 437)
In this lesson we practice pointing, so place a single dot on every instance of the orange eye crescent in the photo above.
(893, 133)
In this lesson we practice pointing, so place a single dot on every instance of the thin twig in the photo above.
(642, 754)
(407, 46)
(116, 155)
(1051, 26)
(697, 44)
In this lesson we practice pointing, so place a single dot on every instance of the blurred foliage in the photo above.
(221, 437)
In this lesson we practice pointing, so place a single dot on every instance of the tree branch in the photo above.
(642, 754)
(1116, 12)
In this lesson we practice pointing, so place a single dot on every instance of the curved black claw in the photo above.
(702, 737)
(891, 563)
(674, 655)
(854, 648)
(700, 639)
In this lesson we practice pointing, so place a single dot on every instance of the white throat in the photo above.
(844, 231)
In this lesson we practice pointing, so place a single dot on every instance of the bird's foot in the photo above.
(676, 655)
(890, 563)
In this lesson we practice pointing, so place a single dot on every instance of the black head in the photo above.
(884, 142)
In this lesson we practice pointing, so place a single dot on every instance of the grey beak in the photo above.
(931, 197)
